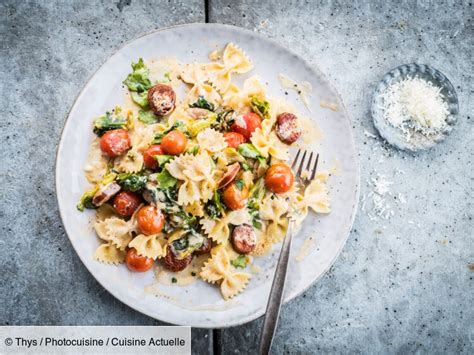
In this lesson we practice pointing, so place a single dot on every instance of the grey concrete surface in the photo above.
(401, 285)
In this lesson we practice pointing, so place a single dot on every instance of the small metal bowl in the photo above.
(396, 136)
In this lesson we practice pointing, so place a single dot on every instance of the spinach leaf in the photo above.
(147, 117)
(165, 180)
(179, 125)
(132, 182)
(240, 184)
(223, 120)
(86, 200)
(194, 150)
(199, 125)
(138, 79)
(141, 99)
(239, 262)
(260, 107)
(248, 150)
(109, 122)
(163, 159)
(214, 207)
(256, 195)
(203, 103)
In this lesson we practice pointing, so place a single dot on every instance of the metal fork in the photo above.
(276, 293)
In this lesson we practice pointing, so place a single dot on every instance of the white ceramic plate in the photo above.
(200, 304)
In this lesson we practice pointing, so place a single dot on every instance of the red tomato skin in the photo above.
(126, 203)
(174, 143)
(149, 156)
(279, 178)
(234, 139)
(234, 198)
(116, 142)
(138, 263)
(150, 220)
(247, 124)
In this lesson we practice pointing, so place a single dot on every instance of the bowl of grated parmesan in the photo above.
(414, 107)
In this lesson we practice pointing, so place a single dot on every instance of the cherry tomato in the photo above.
(247, 124)
(174, 143)
(234, 139)
(115, 142)
(279, 178)
(138, 263)
(126, 203)
(150, 220)
(149, 156)
(234, 198)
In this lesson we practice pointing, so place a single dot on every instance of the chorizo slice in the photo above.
(287, 128)
(243, 239)
(161, 99)
(205, 247)
(105, 193)
(173, 263)
(229, 176)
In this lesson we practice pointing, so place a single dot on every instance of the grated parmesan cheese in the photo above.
(415, 104)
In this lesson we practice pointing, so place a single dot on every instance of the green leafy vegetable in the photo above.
(240, 184)
(179, 125)
(199, 125)
(174, 280)
(248, 150)
(260, 107)
(203, 103)
(109, 122)
(245, 166)
(165, 180)
(256, 195)
(138, 79)
(239, 262)
(86, 200)
(223, 120)
(194, 150)
(132, 182)
(214, 207)
(163, 159)
(147, 117)
(140, 98)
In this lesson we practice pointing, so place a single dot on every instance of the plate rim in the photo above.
(322, 77)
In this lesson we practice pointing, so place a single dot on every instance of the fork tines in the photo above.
(308, 164)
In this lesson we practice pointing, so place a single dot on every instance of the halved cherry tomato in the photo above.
(149, 156)
(247, 124)
(115, 142)
(126, 203)
(234, 198)
(279, 178)
(174, 143)
(138, 263)
(234, 139)
(150, 220)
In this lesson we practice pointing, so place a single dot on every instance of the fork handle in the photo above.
(276, 294)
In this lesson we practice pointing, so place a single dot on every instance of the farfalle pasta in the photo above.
(200, 175)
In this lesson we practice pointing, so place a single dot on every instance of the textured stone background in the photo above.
(401, 285)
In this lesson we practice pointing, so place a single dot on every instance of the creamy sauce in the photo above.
(304, 89)
(153, 290)
(181, 278)
(305, 249)
(330, 105)
(310, 132)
